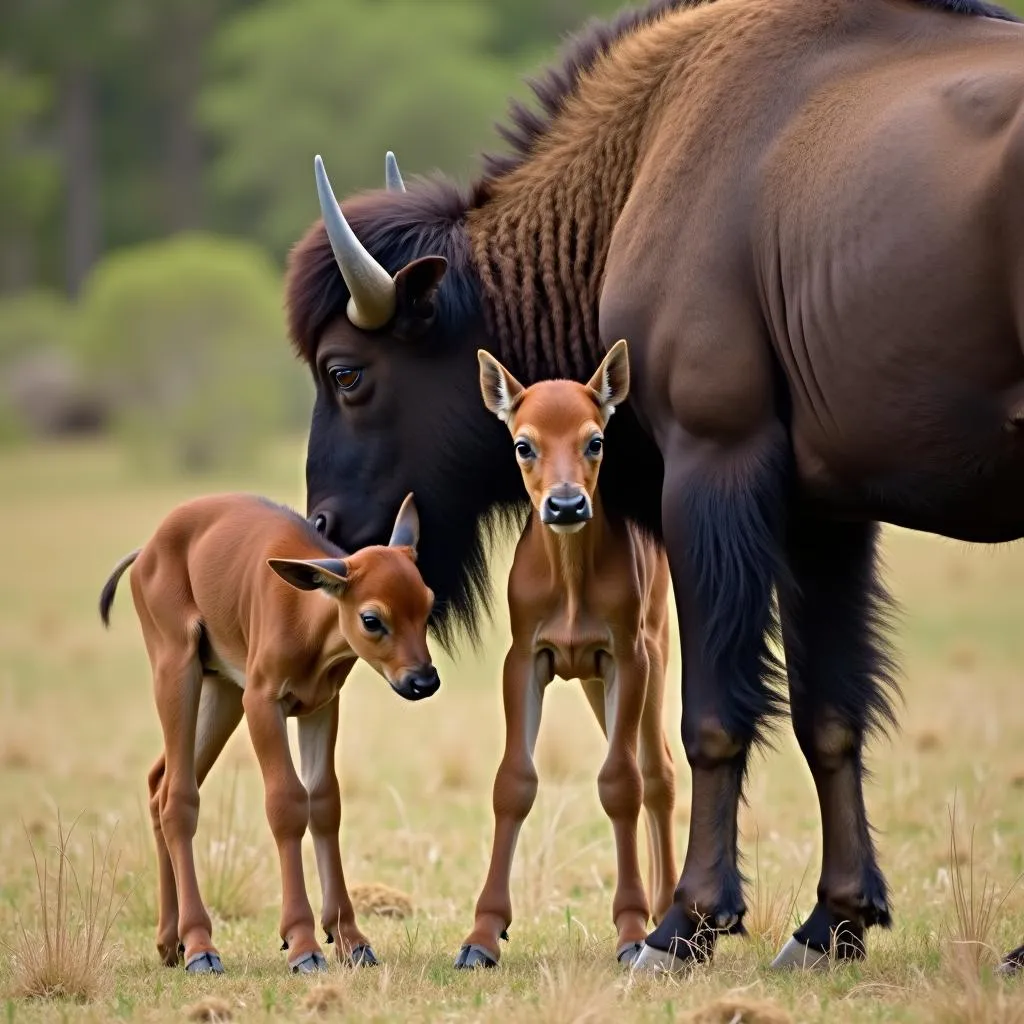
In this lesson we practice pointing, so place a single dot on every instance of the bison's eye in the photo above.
(595, 447)
(346, 378)
(371, 623)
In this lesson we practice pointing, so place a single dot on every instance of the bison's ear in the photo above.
(406, 533)
(610, 383)
(416, 287)
(327, 574)
(500, 389)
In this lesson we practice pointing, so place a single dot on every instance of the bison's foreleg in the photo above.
(723, 514)
(833, 621)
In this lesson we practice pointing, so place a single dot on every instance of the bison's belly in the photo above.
(957, 471)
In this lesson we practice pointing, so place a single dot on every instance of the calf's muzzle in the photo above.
(418, 683)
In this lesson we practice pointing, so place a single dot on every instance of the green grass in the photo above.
(78, 732)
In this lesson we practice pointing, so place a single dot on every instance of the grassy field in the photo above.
(78, 732)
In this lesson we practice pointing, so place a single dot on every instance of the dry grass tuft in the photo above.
(17, 753)
(575, 992)
(772, 909)
(977, 1003)
(963, 658)
(325, 999)
(210, 1010)
(67, 955)
(975, 910)
(738, 1009)
(928, 739)
(382, 900)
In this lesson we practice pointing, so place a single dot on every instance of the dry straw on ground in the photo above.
(382, 900)
(211, 1010)
(738, 1009)
(325, 999)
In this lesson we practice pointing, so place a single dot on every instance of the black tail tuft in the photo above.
(110, 587)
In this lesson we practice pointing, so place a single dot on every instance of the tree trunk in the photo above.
(83, 235)
(184, 159)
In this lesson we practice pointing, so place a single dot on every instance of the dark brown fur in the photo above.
(807, 218)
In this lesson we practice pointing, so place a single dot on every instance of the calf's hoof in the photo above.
(310, 963)
(628, 953)
(362, 956)
(170, 953)
(473, 956)
(204, 963)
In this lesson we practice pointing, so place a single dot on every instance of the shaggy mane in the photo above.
(555, 86)
(427, 219)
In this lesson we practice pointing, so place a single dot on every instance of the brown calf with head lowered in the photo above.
(588, 599)
(247, 611)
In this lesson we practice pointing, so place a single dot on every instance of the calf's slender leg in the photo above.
(840, 680)
(659, 774)
(318, 734)
(620, 788)
(220, 711)
(178, 683)
(723, 513)
(287, 807)
(524, 678)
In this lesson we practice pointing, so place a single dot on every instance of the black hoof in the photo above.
(682, 939)
(824, 932)
(362, 956)
(311, 963)
(628, 953)
(205, 963)
(1013, 963)
(472, 956)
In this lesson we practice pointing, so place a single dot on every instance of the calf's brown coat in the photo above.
(588, 599)
(230, 593)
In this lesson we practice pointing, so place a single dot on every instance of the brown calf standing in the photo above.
(588, 598)
(230, 592)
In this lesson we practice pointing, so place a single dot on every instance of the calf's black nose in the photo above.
(565, 511)
(419, 683)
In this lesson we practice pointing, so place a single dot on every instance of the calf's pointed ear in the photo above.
(500, 390)
(406, 533)
(327, 574)
(610, 383)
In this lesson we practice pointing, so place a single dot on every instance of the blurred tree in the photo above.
(28, 175)
(69, 41)
(187, 338)
(533, 28)
(349, 79)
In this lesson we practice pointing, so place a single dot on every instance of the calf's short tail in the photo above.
(110, 587)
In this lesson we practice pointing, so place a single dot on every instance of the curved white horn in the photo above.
(392, 175)
(372, 302)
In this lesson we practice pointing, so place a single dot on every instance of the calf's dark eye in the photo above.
(595, 447)
(345, 378)
(523, 450)
(371, 623)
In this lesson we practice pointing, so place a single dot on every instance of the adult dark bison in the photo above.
(807, 217)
